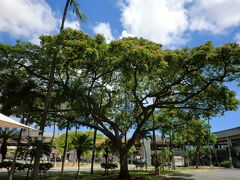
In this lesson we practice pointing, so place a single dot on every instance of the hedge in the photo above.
(21, 167)
(109, 165)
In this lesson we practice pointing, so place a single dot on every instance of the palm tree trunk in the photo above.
(29, 168)
(65, 150)
(43, 120)
(54, 130)
(93, 151)
(162, 151)
(172, 155)
(4, 149)
(46, 105)
(157, 170)
(145, 154)
(64, 14)
(15, 154)
(197, 157)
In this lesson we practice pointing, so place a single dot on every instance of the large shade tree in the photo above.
(132, 77)
(118, 86)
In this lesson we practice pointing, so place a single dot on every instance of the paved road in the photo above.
(214, 174)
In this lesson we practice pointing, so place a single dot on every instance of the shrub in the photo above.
(109, 165)
(225, 164)
(5, 164)
(43, 167)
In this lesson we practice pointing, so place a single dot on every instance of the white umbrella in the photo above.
(7, 122)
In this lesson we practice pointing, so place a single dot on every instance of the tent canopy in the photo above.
(6, 122)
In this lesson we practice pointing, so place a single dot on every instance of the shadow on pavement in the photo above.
(179, 176)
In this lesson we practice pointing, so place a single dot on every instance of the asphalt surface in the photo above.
(211, 174)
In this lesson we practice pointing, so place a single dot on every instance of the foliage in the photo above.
(139, 162)
(109, 166)
(225, 164)
(29, 148)
(5, 135)
(59, 143)
(164, 154)
(22, 167)
(117, 87)
(81, 143)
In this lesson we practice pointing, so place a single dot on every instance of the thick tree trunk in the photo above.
(65, 150)
(123, 174)
(93, 151)
(78, 168)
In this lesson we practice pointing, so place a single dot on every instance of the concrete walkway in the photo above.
(211, 174)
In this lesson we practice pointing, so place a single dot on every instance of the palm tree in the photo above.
(93, 149)
(76, 9)
(81, 143)
(65, 148)
(5, 135)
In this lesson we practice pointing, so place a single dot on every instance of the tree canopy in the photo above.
(118, 86)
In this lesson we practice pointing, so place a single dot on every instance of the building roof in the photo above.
(228, 132)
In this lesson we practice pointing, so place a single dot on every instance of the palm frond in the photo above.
(76, 10)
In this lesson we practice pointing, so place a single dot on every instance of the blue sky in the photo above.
(173, 23)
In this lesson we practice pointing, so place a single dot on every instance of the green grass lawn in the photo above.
(99, 175)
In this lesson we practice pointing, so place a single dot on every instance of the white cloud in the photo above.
(72, 24)
(104, 29)
(237, 38)
(162, 21)
(26, 18)
(215, 16)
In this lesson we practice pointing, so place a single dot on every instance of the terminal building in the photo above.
(229, 139)
(225, 139)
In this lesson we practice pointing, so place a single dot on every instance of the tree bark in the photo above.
(93, 151)
(54, 130)
(64, 14)
(156, 165)
(4, 149)
(65, 150)
(162, 151)
(43, 120)
(15, 154)
(172, 155)
(46, 104)
(78, 168)
(145, 154)
(197, 158)
(123, 174)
